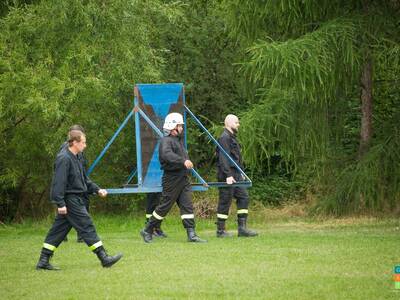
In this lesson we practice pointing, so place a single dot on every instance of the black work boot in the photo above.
(193, 237)
(221, 230)
(242, 229)
(105, 259)
(159, 233)
(147, 236)
(44, 261)
(147, 233)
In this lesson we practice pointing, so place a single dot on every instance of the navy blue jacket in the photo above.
(231, 146)
(69, 178)
(172, 155)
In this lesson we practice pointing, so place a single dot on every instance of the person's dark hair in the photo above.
(76, 127)
(74, 135)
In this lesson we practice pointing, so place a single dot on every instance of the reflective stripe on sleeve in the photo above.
(148, 216)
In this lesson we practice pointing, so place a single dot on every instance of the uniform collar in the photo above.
(230, 133)
(72, 154)
(177, 137)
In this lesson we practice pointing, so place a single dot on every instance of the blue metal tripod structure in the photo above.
(152, 103)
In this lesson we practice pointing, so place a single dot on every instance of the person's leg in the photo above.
(224, 203)
(185, 204)
(80, 219)
(242, 200)
(149, 205)
(85, 197)
(54, 238)
(152, 200)
(171, 188)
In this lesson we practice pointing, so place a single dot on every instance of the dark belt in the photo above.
(74, 195)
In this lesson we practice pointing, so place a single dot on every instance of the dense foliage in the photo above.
(326, 75)
(293, 70)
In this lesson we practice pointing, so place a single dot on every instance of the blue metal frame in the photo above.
(97, 160)
(139, 188)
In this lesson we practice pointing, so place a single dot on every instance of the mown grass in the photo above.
(291, 259)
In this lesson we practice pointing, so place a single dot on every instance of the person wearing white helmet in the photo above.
(227, 172)
(171, 121)
(176, 187)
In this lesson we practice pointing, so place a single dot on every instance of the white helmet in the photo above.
(172, 120)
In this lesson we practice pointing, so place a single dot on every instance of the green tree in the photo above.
(66, 62)
(200, 53)
(316, 66)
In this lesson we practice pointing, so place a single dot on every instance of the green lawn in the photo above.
(298, 259)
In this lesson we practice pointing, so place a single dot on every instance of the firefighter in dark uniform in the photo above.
(69, 183)
(175, 162)
(226, 172)
(152, 200)
(82, 159)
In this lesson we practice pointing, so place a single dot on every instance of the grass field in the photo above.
(291, 259)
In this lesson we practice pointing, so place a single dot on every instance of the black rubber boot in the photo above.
(106, 260)
(193, 237)
(242, 229)
(147, 232)
(221, 230)
(147, 236)
(159, 233)
(44, 261)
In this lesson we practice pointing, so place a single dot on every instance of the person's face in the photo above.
(81, 145)
(235, 124)
(179, 129)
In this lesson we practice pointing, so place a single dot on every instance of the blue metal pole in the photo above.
(133, 173)
(216, 142)
(97, 160)
(194, 172)
(138, 148)
(147, 119)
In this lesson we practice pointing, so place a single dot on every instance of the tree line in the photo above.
(315, 83)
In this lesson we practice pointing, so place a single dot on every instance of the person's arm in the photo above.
(223, 161)
(59, 183)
